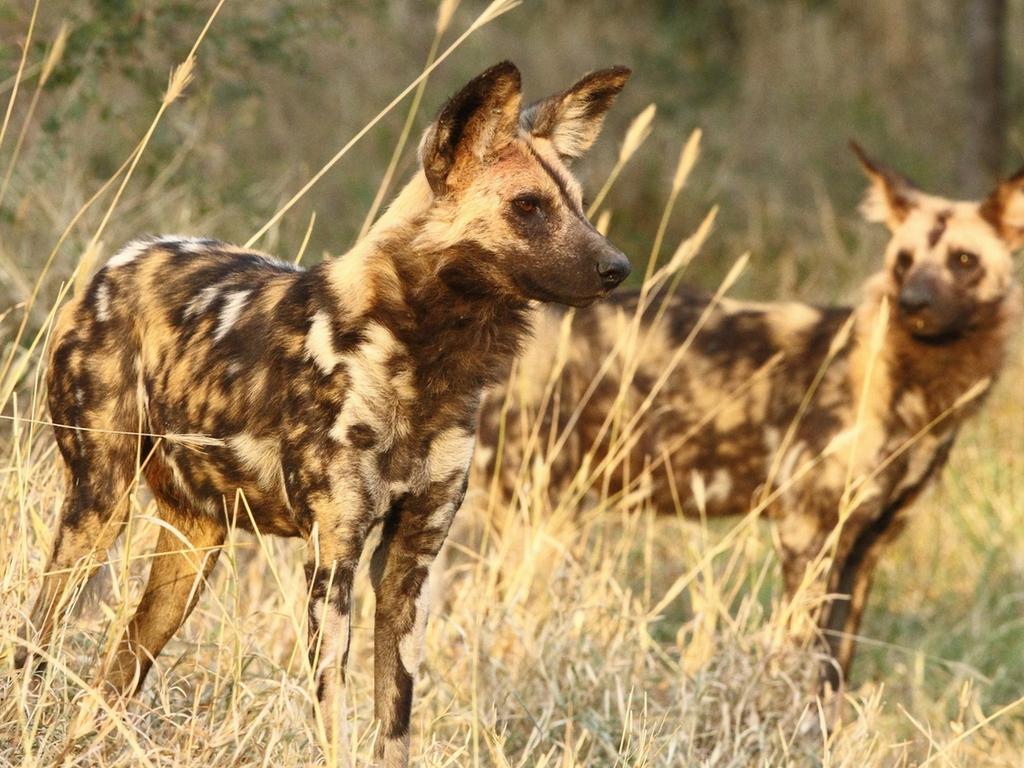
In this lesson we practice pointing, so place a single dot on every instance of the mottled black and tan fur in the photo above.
(726, 432)
(342, 400)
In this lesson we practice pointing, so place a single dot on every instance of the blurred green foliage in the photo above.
(779, 86)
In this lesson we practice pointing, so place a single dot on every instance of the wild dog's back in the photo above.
(181, 315)
(717, 409)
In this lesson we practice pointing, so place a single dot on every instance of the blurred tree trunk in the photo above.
(981, 160)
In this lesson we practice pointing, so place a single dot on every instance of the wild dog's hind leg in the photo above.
(181, 562)
(95, 508)
(91, 391)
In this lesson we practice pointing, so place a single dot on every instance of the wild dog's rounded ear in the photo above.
(890, 196)
(571, 120)
(477, 121)
(1004, 210)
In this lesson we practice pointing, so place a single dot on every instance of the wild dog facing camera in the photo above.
(949, 262)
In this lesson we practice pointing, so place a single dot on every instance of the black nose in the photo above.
(914, 297)
(613, 268)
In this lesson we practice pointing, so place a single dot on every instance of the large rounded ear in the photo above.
(1004, 210)
(890, 196)
(571, 120)
(476, 122)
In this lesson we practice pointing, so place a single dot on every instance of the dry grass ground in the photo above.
(549, 652)
(554, 643)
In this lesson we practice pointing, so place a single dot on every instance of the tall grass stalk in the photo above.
(489, 14)
(445, 10)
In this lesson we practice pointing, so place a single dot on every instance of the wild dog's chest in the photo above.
(392, 436)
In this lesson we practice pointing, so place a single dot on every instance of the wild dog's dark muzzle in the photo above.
(583, 269)
(917, 295)
(929, 307)
(612, 267)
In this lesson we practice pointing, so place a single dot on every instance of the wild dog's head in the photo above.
(507, 216)
(949, 263)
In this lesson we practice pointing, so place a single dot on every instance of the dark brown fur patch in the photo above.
(936, 232)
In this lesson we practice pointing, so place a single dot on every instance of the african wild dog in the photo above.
(344, 398)
(727, 431)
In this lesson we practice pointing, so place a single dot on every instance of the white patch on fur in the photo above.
(788, 466)
(129, 253)
(720, 487)
(919, 460)
(334, 630)
(186, 243)
(398, 488)
(375, 396)
(789, 322)
(348, 276)
(103, 303)
(229, 313)
(842, 440)
(202, 301)
(176, 474)
(450, 452)
(798, 530)
(439, 520)
(483, 456)
(318, 342)
(203, 504)
(410, 647)
(260, 455)
(913, 409)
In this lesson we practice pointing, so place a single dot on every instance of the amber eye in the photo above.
(526, 203)
(964, 259)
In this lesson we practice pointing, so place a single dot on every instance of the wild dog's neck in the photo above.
(935, 374)
(461, 336)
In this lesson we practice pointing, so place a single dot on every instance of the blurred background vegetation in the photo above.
(778, 86)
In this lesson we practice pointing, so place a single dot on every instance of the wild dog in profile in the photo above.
(729, 431)
(344, 398)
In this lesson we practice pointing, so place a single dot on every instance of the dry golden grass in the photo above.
(601, 637)
(547, 650)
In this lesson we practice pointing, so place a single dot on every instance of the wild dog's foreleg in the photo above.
(182, 561)
(413, 533)
(841, 617)
(801, 537)
(804, 544)
(332, 558)
(850, 581)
